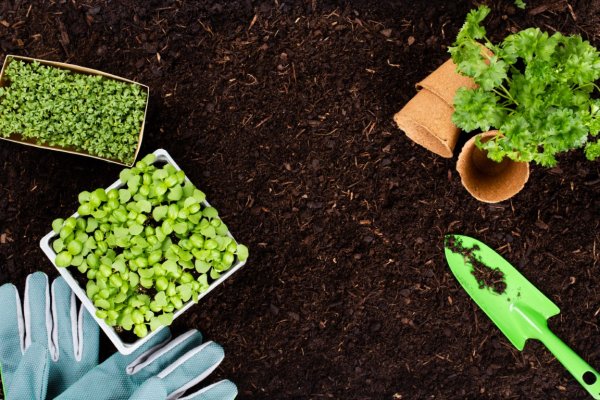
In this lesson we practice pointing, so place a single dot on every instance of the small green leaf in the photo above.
(83, 197)
(202, 266)
(159, 212)
(167, 227)
(124, 196)
(214, 274)
(242, 252)
(189, 202)
(166, 319)
(63, 259)
(125, 175)
(210, 212)
(57, 225)
(160, 234)
(199, 195)
(175, 193)
(161, 299)
(136, 229)
(121, 232)
(144, 206)
(208, 231)
(185, 291)
(180, 228)
(170, 266)
(58, 245)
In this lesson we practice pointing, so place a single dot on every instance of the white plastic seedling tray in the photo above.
(123, 347)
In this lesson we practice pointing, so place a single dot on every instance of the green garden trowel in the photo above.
(517, 307)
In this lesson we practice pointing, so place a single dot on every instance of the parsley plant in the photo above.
(537, 90)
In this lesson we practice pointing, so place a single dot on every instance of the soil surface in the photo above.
(281, 112)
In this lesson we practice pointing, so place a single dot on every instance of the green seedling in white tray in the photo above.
(149, 246)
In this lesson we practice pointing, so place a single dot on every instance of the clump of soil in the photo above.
(486, 276)
(456, 246)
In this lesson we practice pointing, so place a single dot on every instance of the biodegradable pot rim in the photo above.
(123, 347)
(502, 184)
(17, 138)
(445, 80)
(415, 119)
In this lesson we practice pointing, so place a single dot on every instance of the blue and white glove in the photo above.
(162, 369)
(46, 344)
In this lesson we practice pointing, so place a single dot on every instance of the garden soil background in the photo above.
(282, 112)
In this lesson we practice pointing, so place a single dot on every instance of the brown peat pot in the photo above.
(427, 120)
(427, 117)
(487, 180)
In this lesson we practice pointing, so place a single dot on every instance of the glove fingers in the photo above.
(159, 358)
(144, 352)
(222, 390)
(12, 331)
(111, 380)
(191, 368)
(36, 310)
(89, 337)
(73, 329)
(152, 389)
(31, 378)
(75, 349)
(64, 313)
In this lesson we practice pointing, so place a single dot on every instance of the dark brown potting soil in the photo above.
(281, 111)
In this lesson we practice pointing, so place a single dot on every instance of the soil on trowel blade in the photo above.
(486, 276)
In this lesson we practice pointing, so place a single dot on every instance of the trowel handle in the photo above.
(581, 370)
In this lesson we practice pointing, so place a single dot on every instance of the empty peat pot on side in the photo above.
(427, 117)
(427, 120)
(487, 180)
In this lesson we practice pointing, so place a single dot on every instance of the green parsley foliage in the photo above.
(537, 90)
(59, 108)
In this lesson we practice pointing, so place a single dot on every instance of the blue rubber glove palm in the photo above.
(162, 369)
(46, 344)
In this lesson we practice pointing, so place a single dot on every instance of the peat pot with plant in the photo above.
(536, 98)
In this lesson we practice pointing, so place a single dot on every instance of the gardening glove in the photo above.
(153, 389)
(162, 369)
(46, 344)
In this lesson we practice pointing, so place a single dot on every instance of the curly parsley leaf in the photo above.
(592, 151)
(477, 109)
(472, 28)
